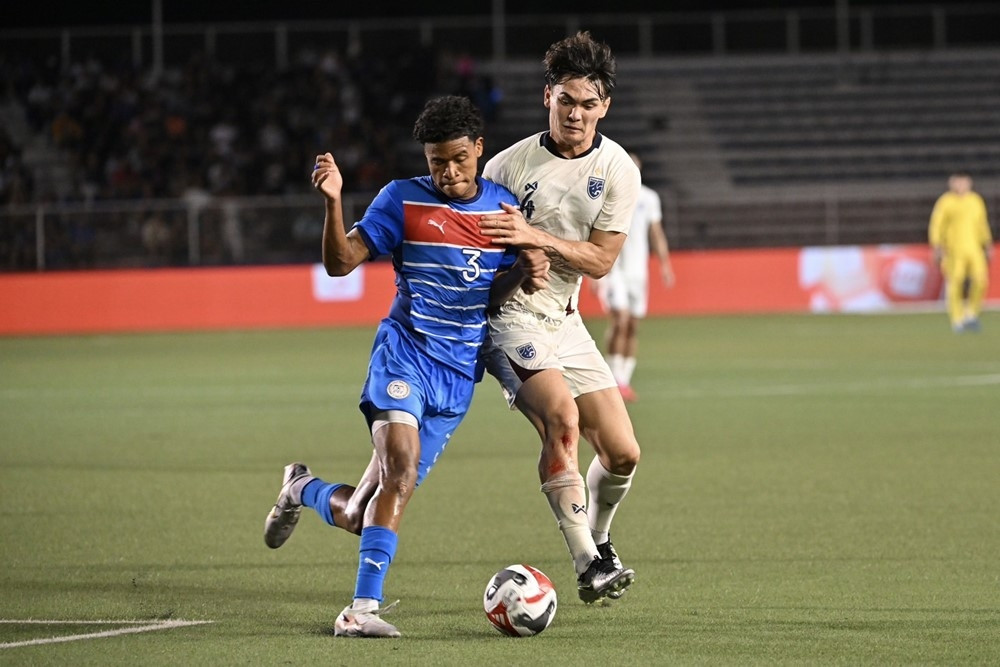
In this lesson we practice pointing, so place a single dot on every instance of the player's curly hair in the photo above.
(581, 56)
(446, 118)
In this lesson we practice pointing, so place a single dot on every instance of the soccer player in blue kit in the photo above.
(425, 358)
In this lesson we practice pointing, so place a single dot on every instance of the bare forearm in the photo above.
(504, 286)
(342, 253)
(577, 256)
(660, 246)
(593, 257)
(530, 272)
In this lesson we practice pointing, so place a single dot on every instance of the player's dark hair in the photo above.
(581, 56)
(446, 118)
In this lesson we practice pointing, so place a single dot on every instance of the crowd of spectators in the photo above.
(208, 130)
(229, 129)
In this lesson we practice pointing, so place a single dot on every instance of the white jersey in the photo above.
(633, 261)
(568, 198)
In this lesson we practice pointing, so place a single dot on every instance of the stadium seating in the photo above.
(768, 150)
(760, 150)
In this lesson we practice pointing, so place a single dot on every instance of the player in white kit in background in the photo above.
(624, 292)
(577, 191)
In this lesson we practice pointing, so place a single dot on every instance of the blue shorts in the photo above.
(401, 377)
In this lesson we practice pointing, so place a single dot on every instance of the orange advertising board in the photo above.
(191, 299)
(841, 279)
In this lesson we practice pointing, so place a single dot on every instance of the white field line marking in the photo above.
(131, 627)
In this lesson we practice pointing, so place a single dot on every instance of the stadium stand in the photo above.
(749, 149)
(768, 150)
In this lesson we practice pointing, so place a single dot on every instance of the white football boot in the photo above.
(284, 515)
(354, 623)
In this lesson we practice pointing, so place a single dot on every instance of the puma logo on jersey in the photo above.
(439, 225)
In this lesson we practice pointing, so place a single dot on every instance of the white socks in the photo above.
(567, 498)
(622, 368)
(615, 362)
(628, 367)
(584, 526)
(606, 491)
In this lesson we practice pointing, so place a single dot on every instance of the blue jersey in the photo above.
(444, 266)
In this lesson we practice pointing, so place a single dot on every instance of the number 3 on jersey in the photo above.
(473, 271)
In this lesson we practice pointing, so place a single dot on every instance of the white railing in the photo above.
(287, 230)
(166, 232)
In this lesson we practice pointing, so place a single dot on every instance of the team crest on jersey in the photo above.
(398, 389)
(526, 351)
(595, 186)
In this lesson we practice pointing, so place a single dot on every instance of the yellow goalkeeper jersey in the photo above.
(959, 223)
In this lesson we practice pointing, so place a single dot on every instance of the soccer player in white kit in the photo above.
(577, 191)
(625, 290)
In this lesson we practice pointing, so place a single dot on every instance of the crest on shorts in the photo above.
(526, 351)
(595, 186)
(398, 389)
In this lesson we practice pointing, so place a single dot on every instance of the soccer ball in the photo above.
(520, 601)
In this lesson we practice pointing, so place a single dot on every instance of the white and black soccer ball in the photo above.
(520, 601)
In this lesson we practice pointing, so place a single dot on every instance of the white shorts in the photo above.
(625, 292)
(534, 342)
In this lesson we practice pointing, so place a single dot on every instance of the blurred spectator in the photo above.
(157, 239)
(487, 96)
(15, 180)
(194, 193)
(204, 132)
(66, 130)
(232, 231)
(127, 136)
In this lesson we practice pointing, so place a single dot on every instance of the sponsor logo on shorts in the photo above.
(526, 351)
(398, 389)
(595, 186)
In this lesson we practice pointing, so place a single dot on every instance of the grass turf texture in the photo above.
(813, 489)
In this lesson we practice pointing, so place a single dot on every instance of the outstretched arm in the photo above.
(342, 252)
(593, 257)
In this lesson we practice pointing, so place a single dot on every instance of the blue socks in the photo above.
(316, 494)
(377, 549)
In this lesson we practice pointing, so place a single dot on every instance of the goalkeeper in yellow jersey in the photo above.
(963, 246)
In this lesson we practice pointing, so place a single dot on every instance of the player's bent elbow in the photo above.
(343, 256)
(337, 267)
(603, 266)
(601, 271)
(335, 270)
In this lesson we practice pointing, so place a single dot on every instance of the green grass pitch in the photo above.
(813, 490)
